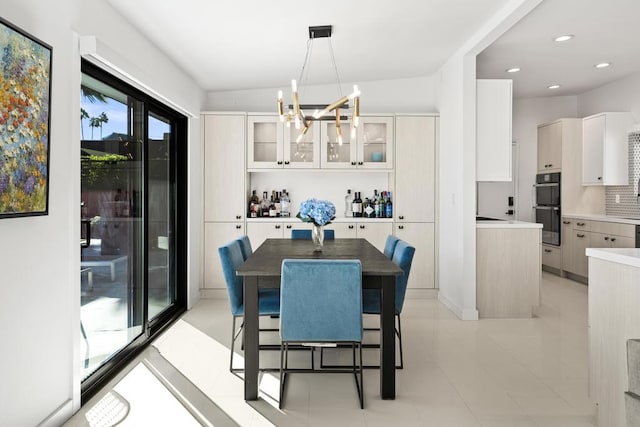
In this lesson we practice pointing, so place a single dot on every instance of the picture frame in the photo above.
(25, 118)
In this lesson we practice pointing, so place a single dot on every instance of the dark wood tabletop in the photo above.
(267, 259)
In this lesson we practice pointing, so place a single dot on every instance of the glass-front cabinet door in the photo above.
(265, 142)
(302, 151)
(334, 154)
(375, 142)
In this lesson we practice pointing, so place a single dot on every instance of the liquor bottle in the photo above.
(284, 204)
(254, 204)
(272, 208)
(278, 204)
(381, 210)
(356, 206)
(389, 206)
(376, 205)
(348, 201)
(368, 208)
(264, 205)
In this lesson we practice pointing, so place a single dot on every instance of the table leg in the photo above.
(251, 355)
(388, 339)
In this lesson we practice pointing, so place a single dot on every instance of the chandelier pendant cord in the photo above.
(307, 61)
(335, 67)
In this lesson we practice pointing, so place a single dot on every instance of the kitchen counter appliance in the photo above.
(547, 207)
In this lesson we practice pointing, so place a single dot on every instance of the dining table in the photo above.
(262, 269)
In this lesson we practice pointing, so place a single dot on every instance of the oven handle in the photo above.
(547, 208)
(548, 184)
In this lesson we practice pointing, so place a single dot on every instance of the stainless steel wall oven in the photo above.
(547, 207)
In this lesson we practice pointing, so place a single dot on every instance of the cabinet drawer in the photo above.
(552, 256)
(624, 230)
(582, 224)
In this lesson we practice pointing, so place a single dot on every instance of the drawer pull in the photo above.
(238, 227)
(280, 162)
(566, 222)
(580, 235)
(580, 224)
(401, 227)
(277, 227)
(288, 227)
(606, 237)
(351, 227)
(547, 250)
(401, 217)
(613, 239)
(238, 216)
(362, 227)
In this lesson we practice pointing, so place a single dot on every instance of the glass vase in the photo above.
(317, 237)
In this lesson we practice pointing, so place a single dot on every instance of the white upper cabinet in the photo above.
(272, 145)
(375, 142)
(605, 149)
(550, 147)
(333, 154)
(493, 129)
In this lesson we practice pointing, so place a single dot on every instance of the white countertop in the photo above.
(338, 219)
(626, 256)
(606, 218)
(507, 224)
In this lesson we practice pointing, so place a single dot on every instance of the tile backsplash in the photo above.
(628, 206)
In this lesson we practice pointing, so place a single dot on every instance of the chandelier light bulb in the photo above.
(294, 86)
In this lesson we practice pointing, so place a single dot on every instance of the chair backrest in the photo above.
(231, 258)
(402, 257)
(245, 246)
(306, 234)
(390, 246)
(321, 300)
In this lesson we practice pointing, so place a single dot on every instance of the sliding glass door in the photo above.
(133, 220)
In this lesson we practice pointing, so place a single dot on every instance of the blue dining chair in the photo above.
(306, 234)
(245, 246)
(268, 299)
(390, 245)
(320, 303)
(371, 304)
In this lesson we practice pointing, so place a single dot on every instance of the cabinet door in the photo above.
(581, 243)
(622, 242)
(415, 168)
(224, 142)
(552, 256)
(264, 142)
(375, 143)
(343, 230)
(493, 129)
(550, 147)
(420, 236)
(333, 154)
(217, 234)
(592, 150)
(375, 233)
(567, 238)
(302, 151)
(294, 225)
(258, 233)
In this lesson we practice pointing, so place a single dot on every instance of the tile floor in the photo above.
(529, 372)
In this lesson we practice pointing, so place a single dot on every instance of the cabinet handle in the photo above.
(550, 165)
(351, 227)
(360, 163)
(288, 226)
(286, 162)
(279, 162)
(238, 216)
(401, 227)
(362, 227)
(566, 222)
(547, 250)
(613, 239)
(277, 227)
(599, 178)
(580, 224)
(580, 235)
(401, 217)
(238, 227)
(353, 163)
(606, 237)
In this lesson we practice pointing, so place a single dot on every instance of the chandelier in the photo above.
(303, 115)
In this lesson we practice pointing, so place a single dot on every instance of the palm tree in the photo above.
(103, 119)
(94, 122)
(83, 115)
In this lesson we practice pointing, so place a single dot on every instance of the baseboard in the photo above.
(577, 278)
(213, 293)
(463, 314)
(552, 270)
(59, 416)
(422, 294)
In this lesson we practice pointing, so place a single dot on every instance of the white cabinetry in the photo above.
(493, 129)
(550, 147)
(224, 179)
(375, 142)
(605, 155)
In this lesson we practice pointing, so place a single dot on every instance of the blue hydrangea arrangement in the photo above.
(320, 212)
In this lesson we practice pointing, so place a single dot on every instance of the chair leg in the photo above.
(399, 334)
(282, 375)
(361, 379)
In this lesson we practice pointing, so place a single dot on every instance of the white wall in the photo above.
(621, 95)
(414, 95)
(527, 115)
(40, 304)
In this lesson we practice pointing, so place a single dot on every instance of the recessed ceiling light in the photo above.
(563, 38)
(603, 65)
(553, 86)
(513, 70)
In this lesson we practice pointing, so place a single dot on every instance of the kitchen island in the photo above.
(507, 268)
(614, 298)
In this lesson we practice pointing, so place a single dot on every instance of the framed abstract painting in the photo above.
(25, 114)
